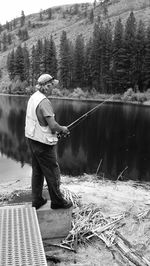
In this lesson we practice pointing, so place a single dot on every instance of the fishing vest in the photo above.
(33, 130)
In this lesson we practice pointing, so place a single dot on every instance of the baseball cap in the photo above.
(46, 78)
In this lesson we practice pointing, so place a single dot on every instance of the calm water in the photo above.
(117, 135)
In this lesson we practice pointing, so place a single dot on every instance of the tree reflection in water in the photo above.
(116, 134)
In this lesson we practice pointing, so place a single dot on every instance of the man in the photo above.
(41, 129)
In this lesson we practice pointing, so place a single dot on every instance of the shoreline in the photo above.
(82, 99)
(131, 190)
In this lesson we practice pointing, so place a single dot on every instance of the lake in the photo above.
(113, 140)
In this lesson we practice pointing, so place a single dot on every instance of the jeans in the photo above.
(44, 164)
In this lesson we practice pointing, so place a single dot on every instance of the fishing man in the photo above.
(41, 129)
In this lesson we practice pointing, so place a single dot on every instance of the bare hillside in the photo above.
(122, 8)
(75, 20)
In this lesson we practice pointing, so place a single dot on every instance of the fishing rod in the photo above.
(84, 116)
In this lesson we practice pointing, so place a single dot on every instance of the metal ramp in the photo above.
(20, 237)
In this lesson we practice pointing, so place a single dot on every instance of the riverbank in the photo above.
(130, 199)
(128, 97)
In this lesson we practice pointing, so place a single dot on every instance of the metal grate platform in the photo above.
(20, 237)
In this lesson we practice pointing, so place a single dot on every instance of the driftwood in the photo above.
(130, 254)
(53, 258)
(125, 248)
(59, 246)
(99, 165)
(121, 174)
(89, 222)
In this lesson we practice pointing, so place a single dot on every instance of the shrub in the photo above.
(57, 92)
(18, 87)
(127, 96)
(141, 97)
(65, 92)
(148, 91)
(29, 90)
(117, 97)
(133, 98)
(78, 93)
(93, 92)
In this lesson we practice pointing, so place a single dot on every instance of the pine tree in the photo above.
(64, 62)
(52, 58)
(22, 19)
(23, 34)
(26, 64)
(1, 73)
(33, 66)
(146, 70)
(79, 61)
(76, 9)
(41, 15)
(7, 25)
(88, 64)
(4, 41)
(38, 57)
(19, 63)
(11, 64)
(97, 57)
(1, 28)
(118, 58)
(49, 11)
(71, 64)
(105, 10)
(9, 39)
(140, 52)
(44, 56)
(14, 23)
(91, 16)
(10, 26)
(49, 58)
(107, 59)
(130, 50)
(95, 4)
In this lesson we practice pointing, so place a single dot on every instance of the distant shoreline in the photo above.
(103, 99)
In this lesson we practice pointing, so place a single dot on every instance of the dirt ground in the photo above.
(113, 198)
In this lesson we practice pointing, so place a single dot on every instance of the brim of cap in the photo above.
(54, 82)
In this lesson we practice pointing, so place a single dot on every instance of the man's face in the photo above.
(48, 88)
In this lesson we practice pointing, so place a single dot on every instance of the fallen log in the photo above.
(126, 248)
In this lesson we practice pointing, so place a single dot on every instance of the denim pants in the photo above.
(44, 164)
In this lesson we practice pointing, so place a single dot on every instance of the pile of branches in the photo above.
(89, 222)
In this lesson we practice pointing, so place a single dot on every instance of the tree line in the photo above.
(110, 61)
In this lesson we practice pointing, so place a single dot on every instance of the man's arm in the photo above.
(55, 127)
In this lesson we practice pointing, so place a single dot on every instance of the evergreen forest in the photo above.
(109, 62)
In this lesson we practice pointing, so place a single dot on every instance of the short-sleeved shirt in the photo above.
(44, 109)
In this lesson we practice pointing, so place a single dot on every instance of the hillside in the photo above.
(75, 20)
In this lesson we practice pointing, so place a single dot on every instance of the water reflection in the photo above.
(118, 135)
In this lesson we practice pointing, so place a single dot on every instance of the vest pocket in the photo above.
(30, 127)
(51, 140)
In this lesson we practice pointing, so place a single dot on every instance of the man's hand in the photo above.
(64, 132)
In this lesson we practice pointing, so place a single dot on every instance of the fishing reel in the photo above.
(63, 135)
